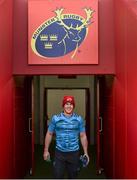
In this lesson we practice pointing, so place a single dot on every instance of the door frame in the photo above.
(87, 110)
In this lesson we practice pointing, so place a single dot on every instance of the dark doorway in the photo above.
(44, 169)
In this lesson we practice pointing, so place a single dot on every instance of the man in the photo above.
(68, 127)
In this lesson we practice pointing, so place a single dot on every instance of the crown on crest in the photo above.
(48, 45)
(53, 37)
(44, 37)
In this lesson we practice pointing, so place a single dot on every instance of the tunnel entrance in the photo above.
(93, 99)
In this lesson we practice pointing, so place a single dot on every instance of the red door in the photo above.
(30, 121)
(28, 109)
(22, 136)
(99, 129)
(87, 114)
(32, 128)
(29, 96)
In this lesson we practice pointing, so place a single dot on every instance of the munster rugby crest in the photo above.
(61, 34)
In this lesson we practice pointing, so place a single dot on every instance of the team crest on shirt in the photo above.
(61, 34)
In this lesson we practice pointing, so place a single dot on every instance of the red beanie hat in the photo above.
(69, 99)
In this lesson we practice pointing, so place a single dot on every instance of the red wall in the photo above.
(106, 44)
(120, 89)
(125, 89)
(125, 83)
(131, 156)
(6, 90)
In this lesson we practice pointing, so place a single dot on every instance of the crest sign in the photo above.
(63, 35)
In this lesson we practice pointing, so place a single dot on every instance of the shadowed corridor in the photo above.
(43, 169)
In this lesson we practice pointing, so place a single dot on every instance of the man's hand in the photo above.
(46, 155)
(48, 139)
(87, 158)
(84, 143)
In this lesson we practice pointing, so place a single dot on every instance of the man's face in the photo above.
(68, 108)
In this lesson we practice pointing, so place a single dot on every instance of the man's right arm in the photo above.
(48, 139)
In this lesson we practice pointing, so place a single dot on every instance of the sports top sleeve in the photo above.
(81, 125)
(51, 127)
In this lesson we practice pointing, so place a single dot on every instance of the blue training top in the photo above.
(67, 129)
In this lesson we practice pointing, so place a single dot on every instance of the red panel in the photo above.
(106, 41)
(6, 91)
(6, 131)
(120, 90)
(131, 162)
(126, 88)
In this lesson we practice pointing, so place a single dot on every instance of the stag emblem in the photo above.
(61, 34)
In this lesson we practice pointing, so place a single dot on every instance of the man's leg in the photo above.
(72, 165)
(72, 170)
(59, 165)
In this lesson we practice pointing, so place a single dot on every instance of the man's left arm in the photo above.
(84, 142)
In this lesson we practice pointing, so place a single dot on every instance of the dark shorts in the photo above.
(68, 161)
